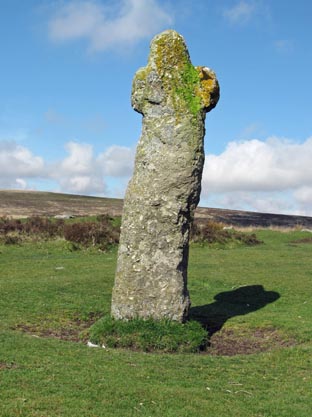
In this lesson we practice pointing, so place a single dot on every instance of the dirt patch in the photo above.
(229, 342)
(303, 240)
(4, 365)
(72, 330)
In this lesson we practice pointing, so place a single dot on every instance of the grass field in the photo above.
(256, 302)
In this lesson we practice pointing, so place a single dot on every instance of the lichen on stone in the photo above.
(208, 90)
(173, 96)
(179, 77)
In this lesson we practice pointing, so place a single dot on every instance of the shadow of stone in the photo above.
(228, 304)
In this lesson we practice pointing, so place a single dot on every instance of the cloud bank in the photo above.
(267, 176)
(254, 165)
(17, 163)
(273, 175)
(80, 172)
(108, 26)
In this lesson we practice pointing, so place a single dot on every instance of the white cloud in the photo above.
(263, 202)
(17, 165)
(241, 12)
(106, 27)
(266, 176)
(81, 171)
(303, 196)
(84, 172)
(18, 161)
(79, 160)
(75, 20)
(273, 165)
(21, 183)
(78, 172)
(117, 161)
(270, 176)
(82, 184)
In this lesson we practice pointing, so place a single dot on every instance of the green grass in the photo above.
(149, 335)
(48, 289)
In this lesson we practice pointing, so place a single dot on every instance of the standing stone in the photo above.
(173, 97)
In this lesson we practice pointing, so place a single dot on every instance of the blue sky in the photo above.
(66, 123)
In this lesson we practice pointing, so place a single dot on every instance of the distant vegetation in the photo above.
(103, 231)
(20, 204)
(215, 233)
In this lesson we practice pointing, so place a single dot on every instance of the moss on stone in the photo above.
(179, 77)
(188, 88)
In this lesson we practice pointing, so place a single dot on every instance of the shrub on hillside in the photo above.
(8, 225)
(210, 232)
(101, 233)
(32, 226)
(10, 239)
(215, 233)
(44, 227)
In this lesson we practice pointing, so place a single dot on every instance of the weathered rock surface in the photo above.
(173, 97)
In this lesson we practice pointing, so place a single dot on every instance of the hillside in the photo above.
(30, 203)
(38, 203)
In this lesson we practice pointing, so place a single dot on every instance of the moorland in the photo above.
(254, 300)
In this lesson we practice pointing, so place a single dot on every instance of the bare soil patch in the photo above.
(304, 240)
(230, 342)
(72, 330)
(227, 342)
(4, 365)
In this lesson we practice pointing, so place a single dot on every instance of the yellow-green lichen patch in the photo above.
(142, 73)
(169, 53)
(179, 78)
(208, 87)
(171, 79)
